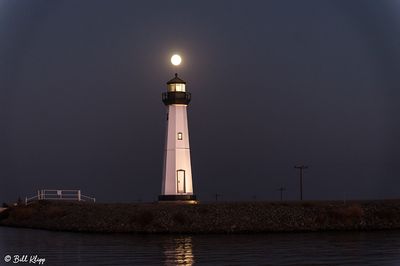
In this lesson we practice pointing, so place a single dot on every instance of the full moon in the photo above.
(176, 60)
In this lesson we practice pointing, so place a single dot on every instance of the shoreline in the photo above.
(206, 218)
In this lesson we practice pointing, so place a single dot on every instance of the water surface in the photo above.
(333, 248)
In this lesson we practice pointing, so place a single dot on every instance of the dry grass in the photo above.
(22, 213)
(55, 212)
(145, 218)
(180, 218)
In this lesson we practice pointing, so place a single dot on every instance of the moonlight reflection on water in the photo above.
(179, 251)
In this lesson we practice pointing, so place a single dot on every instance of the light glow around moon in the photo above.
(176, 60)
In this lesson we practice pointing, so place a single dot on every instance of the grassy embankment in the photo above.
(221, 217)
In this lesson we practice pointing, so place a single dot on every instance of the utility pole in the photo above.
(301, 168)
(217, 196)
(281, 189)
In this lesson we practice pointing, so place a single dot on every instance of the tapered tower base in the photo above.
(177, 198)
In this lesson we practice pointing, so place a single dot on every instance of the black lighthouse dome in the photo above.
(176, 92)
(176, 80)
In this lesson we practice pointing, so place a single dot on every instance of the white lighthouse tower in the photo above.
(177, 176)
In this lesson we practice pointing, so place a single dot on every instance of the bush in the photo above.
(55, 212)
(387, 214)
(347, 214)
(180, 218)
(4, 214)
(145, 218)
(22, 213)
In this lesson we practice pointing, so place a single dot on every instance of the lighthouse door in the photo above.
(180, 176)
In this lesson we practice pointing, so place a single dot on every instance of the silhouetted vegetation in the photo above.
(145, 218)
(180, 218)
(216, 217)
(4, 214)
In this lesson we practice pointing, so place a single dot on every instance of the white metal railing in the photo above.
(59, 194)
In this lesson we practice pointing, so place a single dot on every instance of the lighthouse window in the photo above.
(176, 87)
(179, 87)
(180, 136)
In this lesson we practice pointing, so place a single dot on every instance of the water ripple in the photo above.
(347, 248)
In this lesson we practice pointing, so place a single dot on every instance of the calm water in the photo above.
(59, 248)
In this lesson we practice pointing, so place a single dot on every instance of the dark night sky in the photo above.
(273, 83)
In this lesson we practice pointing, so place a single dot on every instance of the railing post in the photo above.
(38, 194)
(26, 201)
(79, 195)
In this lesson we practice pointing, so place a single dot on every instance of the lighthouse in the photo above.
(177, 182)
